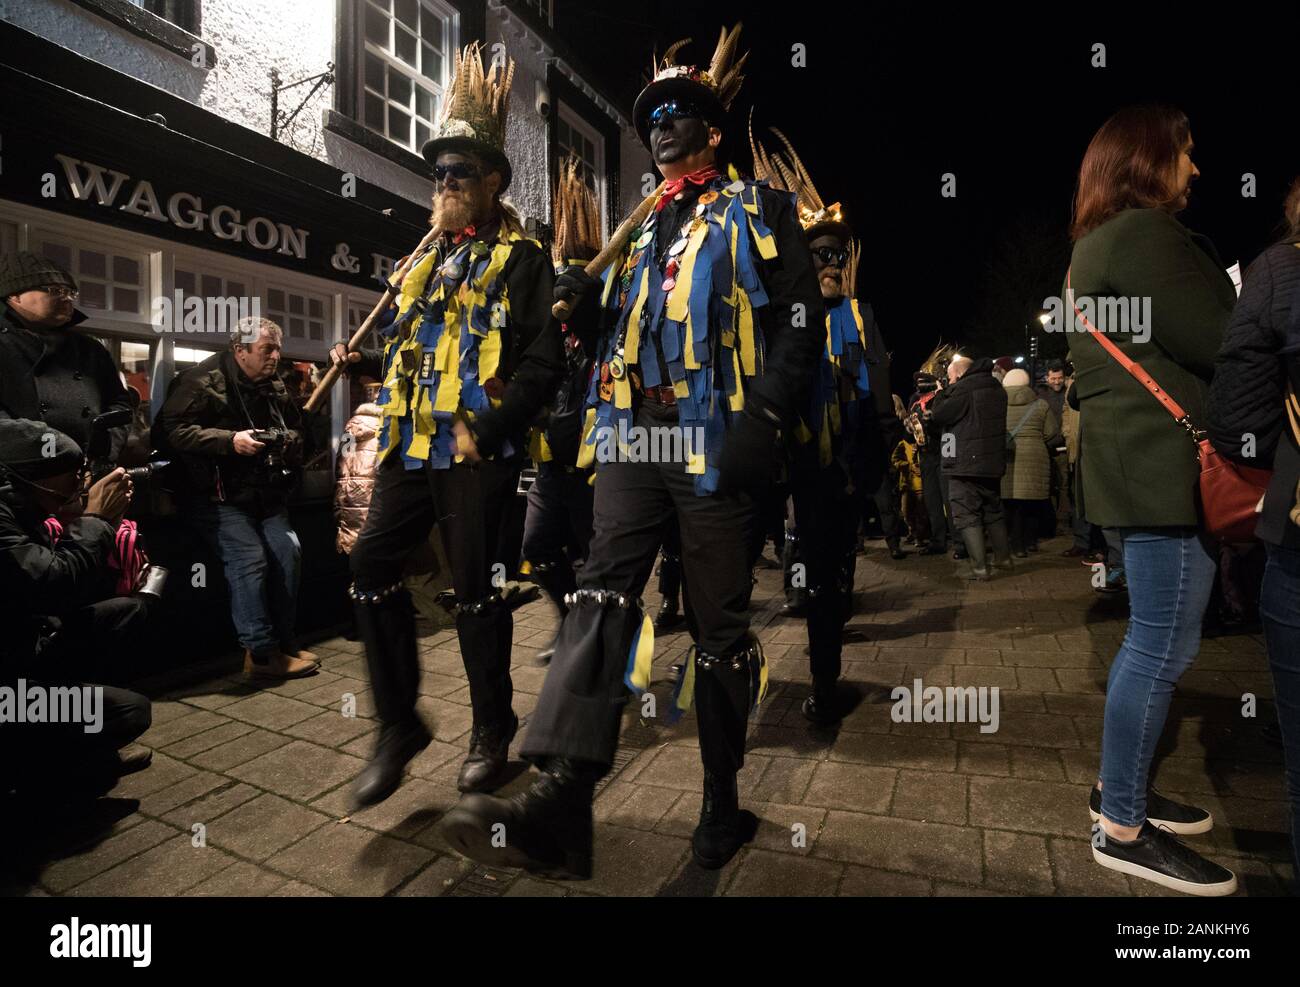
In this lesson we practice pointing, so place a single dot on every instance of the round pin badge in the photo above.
(617, 368)
(677, 247)
(478, 248)
(452, 270)
(669, 284)
(708, 197)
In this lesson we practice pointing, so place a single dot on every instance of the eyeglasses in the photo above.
(674, 110)
(459, 170)
(830, 255)
(61, 291)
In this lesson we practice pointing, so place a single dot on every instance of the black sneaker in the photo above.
(1158, 856)
(1163, 813)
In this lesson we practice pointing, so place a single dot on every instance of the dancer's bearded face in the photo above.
(463, 201)
(830, 277)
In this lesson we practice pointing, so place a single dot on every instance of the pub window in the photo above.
(209, 285)
(573, 135)
(190, 356)
(406, 55)
(109, 281)
(134, 358)
(183, 13)
(8, 238)
(302, 316)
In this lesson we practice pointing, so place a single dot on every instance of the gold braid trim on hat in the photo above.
(575, 215)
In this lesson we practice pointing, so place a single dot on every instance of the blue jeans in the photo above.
(1279, 609)
(1170, 575)
(263, 562)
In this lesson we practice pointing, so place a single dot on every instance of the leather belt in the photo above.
(662, 394)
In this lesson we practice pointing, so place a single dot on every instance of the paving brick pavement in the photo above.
(874, 807)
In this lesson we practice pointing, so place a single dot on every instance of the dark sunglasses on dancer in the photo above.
(674, 109)
(459, 170)
(832, 255)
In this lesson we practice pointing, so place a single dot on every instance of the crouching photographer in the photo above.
(58, 552)
(238, 433)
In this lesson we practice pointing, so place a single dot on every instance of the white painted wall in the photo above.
(297, 37)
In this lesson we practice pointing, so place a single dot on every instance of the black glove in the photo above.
(749, 454)
(572, 283)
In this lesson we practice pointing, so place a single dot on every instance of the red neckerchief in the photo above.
(701, 177)
(468, 231)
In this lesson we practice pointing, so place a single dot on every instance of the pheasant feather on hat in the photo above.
(711, 88)
(474, 108)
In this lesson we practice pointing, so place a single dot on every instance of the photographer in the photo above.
(237, 430)
(49, 371)
(967, 421)
(65, 627)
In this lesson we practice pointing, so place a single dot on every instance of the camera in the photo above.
(272, 457)
(98, 460)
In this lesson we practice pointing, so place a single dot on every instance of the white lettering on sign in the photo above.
(87, 180)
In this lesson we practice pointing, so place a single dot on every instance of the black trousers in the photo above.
(932, 488)
(827, 515)
(91, 646)
(557, 529)
(581, 703)
(975, 500)
(471, 505)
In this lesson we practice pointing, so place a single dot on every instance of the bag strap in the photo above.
(1136, 370)
(1020, 424)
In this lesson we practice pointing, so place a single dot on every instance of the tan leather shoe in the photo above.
(304, 655)
(279, 666)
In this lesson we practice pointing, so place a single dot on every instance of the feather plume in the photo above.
(575, 215)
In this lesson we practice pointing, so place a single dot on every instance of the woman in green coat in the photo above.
(1160, 293)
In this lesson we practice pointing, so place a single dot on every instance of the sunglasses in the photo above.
(830, 255)
(674, 110)
(460, 170)
(61, 291)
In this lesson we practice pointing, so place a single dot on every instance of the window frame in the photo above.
(362, 46)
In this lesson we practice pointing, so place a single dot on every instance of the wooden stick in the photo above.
(354, 344)
(617, 242)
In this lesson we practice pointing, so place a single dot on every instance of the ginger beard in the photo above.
(458, 203)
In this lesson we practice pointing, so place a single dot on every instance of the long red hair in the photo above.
(1130, 163)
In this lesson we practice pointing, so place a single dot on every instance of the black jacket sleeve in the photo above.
(794, 320)
(1249, 386)
(113, 393)
(37, 579)
(537, 349)
(184, 419)
(949, 406)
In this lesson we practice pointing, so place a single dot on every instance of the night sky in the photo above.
(1007, 102)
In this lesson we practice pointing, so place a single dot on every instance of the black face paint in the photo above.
(677, 139)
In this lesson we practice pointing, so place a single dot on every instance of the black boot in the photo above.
(723, 827)
(670, 586)
(822, 707)
(973, 537)
(557, 581)
(489, 752)
(397, 745)
(545, 830)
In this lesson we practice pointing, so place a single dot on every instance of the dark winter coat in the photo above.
(973, 411)
(198, 423)
(58, 376)
(1250, 378)
(1138, 466)
(40, 578)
